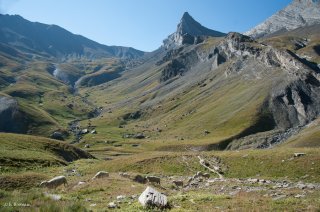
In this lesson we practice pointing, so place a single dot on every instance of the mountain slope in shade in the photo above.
(187, 32)
(298, 14)
(52, 40)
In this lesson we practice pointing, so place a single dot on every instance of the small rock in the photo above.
(206, 175)
(311, 186)
(81, 183)
(253, 180)
(178, 183)
(124, 174)
(101, 174)
(93, 205)
(199, 174)
(139, 136)
(93, 132)
(121, 197)
(112, 205)
(87, 146)
(84, 131)
(140, 179)
(300, 196)
(301, 186)
(134, 196)
(299, 154)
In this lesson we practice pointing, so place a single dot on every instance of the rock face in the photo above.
(151, 197)
(298, 14)
(189, 31)
(11, 119)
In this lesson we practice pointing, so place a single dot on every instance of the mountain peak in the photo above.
(186, 16)
(299, 13)
(187, 30)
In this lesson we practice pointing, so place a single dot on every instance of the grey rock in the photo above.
(112, 205)
(84, 131)
(57, 135)
(178, 183)
(299, 154)
(140, 179)
(153, 179)
(301, 186)
(101, 174)
(124, 174)
(121, 197)
(139, 136)
(151, 197)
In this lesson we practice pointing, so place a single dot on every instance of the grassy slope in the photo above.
(45, 100)
(308, 137)
(223, 107)
(21, 152)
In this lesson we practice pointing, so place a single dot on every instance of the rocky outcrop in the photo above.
(11, 119)
(298, 14)
(179, 65)
(293, 103)
(67, 74)
(189, 31)
(297, 104)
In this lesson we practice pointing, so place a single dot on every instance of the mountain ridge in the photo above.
(55, 41)
(297, 14)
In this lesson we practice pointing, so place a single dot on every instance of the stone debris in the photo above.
(299, 154)
(84, 131)
(121, 197)
(112, 205)
(101, 174)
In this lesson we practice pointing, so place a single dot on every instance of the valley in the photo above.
(226, 121)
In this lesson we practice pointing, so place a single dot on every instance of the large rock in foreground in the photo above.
(151, 197)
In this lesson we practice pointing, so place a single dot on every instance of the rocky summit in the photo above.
(298, 14)
(189, 31)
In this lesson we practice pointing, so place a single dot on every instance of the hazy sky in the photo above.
(141, 24)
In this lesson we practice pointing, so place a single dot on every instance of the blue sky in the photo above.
(141, 24)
